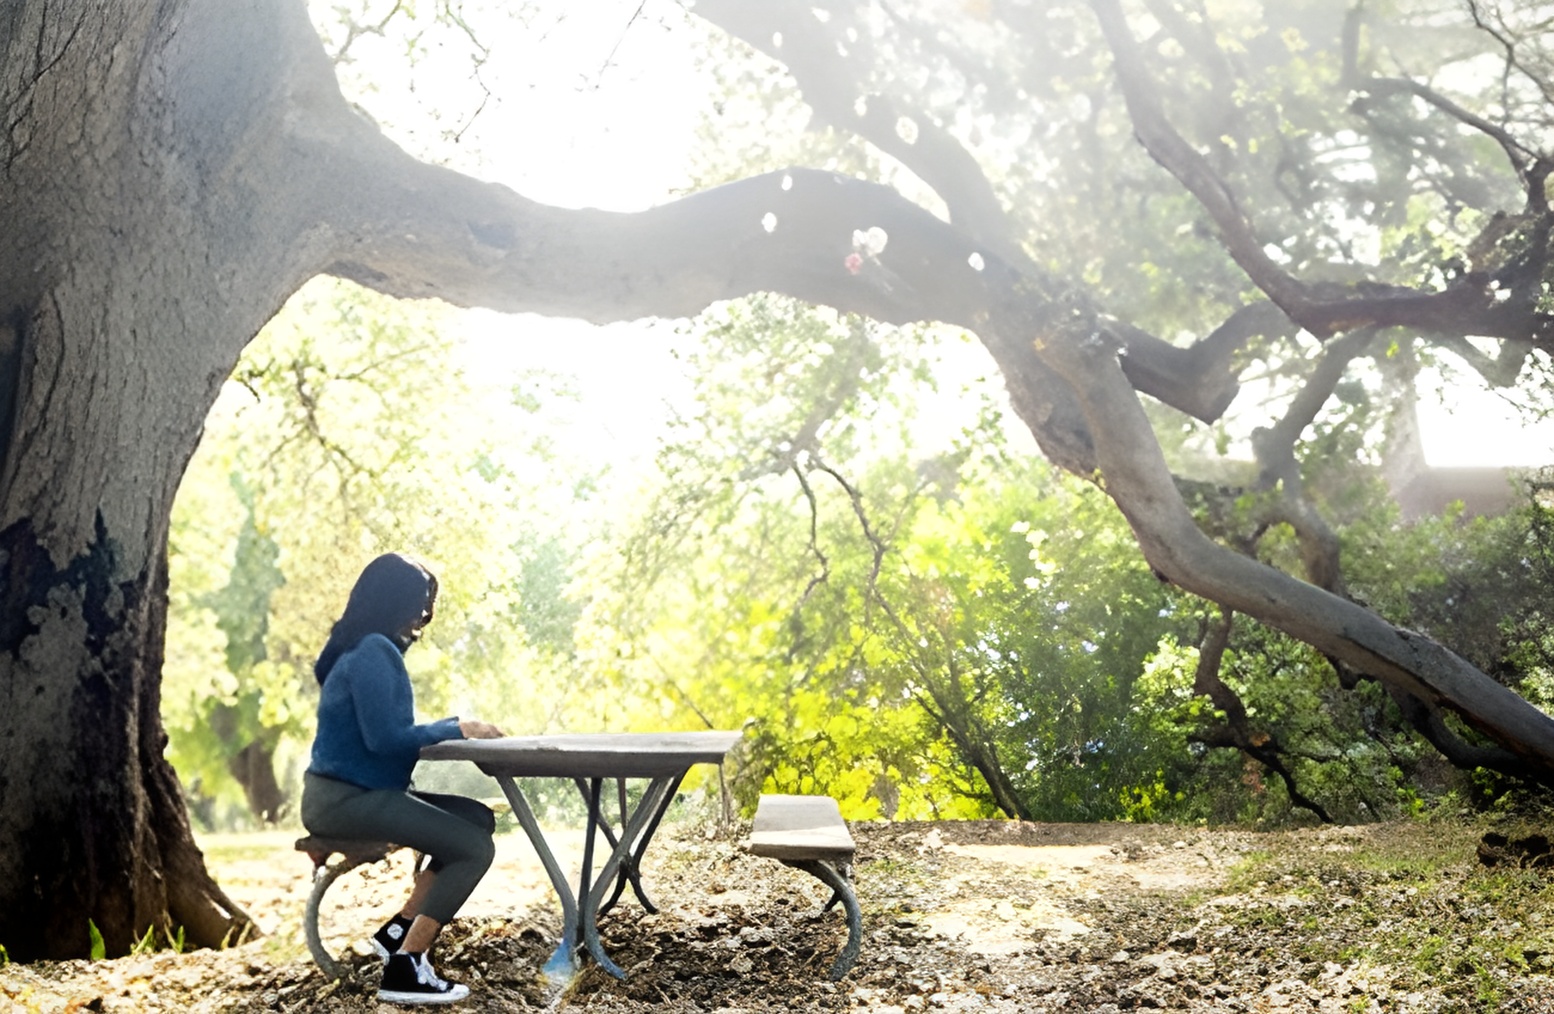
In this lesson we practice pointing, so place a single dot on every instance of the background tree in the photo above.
(922, 625)
(351, 427)
(173, 172)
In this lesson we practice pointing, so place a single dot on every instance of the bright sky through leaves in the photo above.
(596, 105)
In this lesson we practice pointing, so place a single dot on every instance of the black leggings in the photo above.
(454, 830)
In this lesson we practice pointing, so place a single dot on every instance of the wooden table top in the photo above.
(589, 755)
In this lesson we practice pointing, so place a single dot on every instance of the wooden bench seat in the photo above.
(809, 834)
(352, 853)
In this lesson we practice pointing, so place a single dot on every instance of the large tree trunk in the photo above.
(135, 262)
(91, 813)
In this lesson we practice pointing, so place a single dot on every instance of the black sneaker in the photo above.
(409, 978)
(390, 935)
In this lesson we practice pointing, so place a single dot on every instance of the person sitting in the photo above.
(357, 784)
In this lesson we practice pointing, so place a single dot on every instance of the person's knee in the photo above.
(473, 811)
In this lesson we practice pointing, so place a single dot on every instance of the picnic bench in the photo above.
(352, 853)
(808, 833)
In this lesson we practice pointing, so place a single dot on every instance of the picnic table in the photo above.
(660, 758)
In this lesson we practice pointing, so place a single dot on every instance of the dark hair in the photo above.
(393, 597)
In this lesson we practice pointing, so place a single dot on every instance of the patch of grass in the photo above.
(1253, 870)
(888, 869)
(1411, 899)
(1486, 989)
(1504, 885)
(1414, 858)
(226, 849)
(1427, 953)
(154, 941)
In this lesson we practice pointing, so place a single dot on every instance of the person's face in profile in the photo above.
(412, 632)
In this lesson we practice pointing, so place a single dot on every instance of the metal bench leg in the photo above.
(323, 877)
(841, 889)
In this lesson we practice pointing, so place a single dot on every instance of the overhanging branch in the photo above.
(419, 231)
(1469, 306)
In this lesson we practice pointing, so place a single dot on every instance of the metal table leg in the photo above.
(563, 961)
(595, 819)
(652, 799)
(323, 876)
(630, 870)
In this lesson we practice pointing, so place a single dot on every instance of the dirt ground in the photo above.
(964, 916)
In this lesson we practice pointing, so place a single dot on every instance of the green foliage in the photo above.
(153, 940)
(351, 428)
(857, 562)
(958, 631)
(920, 629)
(1026, 618)
(951, 637)
(98, 951)
(246, 703)
(1479, 584)
(767, 625)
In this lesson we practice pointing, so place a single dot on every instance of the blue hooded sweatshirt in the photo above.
(367, 732)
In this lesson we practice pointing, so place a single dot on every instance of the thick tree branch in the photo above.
(1499, 370)
(1279, 471)
(478, 244)
(794, 232)
(1197, 381)
(1192, 170)
(1470, 306)
(1430, 724)
(833, 86)
(1137, 479)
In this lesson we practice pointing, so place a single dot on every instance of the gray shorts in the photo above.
(455, 831)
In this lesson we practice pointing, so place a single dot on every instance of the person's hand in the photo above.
(474, 728)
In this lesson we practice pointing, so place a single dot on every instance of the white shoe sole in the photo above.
(457, 993)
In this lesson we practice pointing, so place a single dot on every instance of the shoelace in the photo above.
(427, 976)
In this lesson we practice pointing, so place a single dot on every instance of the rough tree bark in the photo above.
(152, 221)
(171, 171)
